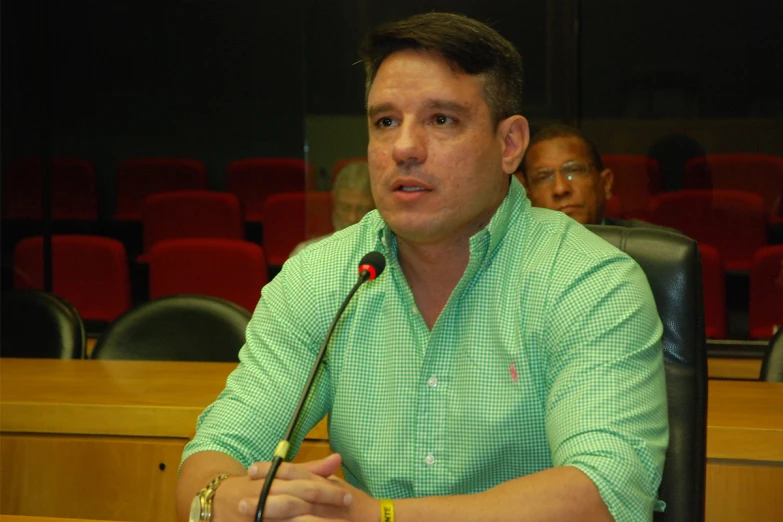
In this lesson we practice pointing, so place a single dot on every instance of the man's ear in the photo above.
(607, 176)
(515, 135)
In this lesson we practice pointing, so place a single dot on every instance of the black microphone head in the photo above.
(373, 263)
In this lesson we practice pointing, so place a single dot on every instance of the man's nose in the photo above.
(560, 185)
(410, 145)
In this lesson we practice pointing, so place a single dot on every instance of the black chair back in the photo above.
(177, 328)
(41, 325)
(772, 365)
(673, 268)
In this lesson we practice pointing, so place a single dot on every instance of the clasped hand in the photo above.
(300, 493)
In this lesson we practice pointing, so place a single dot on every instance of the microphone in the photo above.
(370, 267)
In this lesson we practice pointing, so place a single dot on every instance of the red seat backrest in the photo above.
(292, 218)
(191, 213)
(231, 269)
(766, 292)
(137, 179)
(90, 272)
(74, 194)
(255, 179)
(731, 221)
(761, 174)
(713, 278)
(636, 180)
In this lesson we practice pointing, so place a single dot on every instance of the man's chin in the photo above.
(576, 213)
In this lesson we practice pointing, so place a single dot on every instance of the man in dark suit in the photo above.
(562, 170)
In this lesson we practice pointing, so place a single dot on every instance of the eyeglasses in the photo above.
(570, 171)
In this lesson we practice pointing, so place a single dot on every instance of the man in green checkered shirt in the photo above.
(507, 365)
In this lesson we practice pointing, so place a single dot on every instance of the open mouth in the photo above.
(410, 189)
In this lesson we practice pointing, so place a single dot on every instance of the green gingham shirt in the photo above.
(547, 354)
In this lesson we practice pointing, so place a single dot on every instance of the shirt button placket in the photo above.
(429, 460)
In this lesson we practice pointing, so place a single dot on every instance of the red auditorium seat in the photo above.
(338, 166)
(731, 221)
(761, 174)
(255, 179)
(766, 292)
(73, 190)
(636, 180)
(231, 269)
(292, 218)
(137, 179)
(613, 208)
(90, 272)
(713, 280)
(191, 213)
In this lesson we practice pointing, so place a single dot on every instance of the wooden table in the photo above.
(20, 518)
(102, 439)
(734, 368)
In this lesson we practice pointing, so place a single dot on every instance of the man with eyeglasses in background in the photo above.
(562, 170)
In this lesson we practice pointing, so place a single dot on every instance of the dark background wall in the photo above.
(218, 81)
(214, 81)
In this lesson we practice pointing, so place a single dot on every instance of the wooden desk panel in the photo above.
(745, 421)
(20, 518)
(737, 369)
(156, 404)
(132, 398)
(93, 477)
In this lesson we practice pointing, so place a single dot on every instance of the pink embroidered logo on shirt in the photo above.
(514, 374)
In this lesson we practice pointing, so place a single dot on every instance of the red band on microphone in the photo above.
(370, 269)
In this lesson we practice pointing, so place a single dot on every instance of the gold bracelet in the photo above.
(387, 510)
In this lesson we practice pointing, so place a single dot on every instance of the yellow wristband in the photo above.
(387, 510)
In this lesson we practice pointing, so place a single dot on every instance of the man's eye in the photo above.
(541, 175)
(384, 122)
(441, 119)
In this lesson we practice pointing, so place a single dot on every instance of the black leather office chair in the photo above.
(177, 328)
(673, 268)
(41, 325)
(772, 365)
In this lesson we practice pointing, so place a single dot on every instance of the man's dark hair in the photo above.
(560, 130)
(466, 44)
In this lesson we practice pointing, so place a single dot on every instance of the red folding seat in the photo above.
(338, 166)
(73, 190)
(731, 221)
(90, 272)
(255, 179)
(292, 218)
(766, 292)
(613, 208)
(137, 179)
(713, 278)
(231, 269)
(637, 179)
(761, 174)
(191, 213)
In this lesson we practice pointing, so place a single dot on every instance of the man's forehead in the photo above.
(559, 149)
(418, 68)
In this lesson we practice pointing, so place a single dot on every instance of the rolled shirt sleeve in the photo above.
(252, 413)
(606, 411)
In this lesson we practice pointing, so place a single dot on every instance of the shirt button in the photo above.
(415, 310)
(429, 459)
(432, 382)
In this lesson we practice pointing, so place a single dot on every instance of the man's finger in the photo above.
(291, 505)
(288, 471)
(313, 492)
(326, 466)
